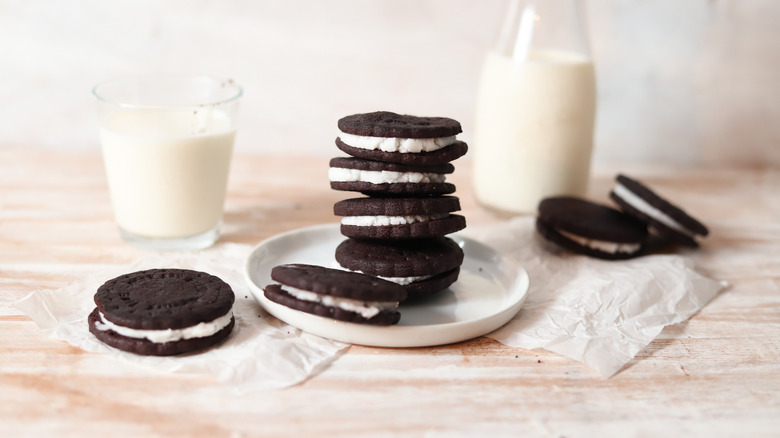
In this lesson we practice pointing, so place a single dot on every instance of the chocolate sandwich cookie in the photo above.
(422, 266)
(333, 293)
(399, 218)
(403, 139)
(378, 178)
(668, 219)
(399, 151)
(591, 229)
(163, 312)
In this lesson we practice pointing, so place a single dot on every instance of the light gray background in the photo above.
(680, 82)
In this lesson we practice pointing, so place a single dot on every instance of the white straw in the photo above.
(524, 34)
(508, 28)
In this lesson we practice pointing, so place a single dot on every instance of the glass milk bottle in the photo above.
(536, 107)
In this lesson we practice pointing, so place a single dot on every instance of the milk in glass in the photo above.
(166, 180)
(167, 144)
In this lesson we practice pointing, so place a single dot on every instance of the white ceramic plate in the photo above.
(489, 292)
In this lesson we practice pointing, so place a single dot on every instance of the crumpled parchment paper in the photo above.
(601, 313)
(261, 352)
(598, 312)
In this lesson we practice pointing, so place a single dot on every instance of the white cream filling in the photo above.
(394, 144)
(403, 281)
(384, 221)
(640, 204)
(366, 309)
(602, 245)
(341, 174)
(200, 330)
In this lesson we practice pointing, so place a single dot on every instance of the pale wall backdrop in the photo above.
(679, 82)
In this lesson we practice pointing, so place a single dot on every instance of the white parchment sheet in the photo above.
(261, 353)
(601, 313)
(598, 312)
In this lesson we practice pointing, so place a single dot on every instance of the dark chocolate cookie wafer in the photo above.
(417, 264)
(591, 229)
(422, 288)
(341, 295)
(388, 124)
(378, 178)
(668, 219)
(163, 311)
(399, 218)
(432, 158)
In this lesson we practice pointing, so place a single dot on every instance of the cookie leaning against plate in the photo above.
(163, 312)
(378, 178)
(337, 294)
(592, 229)
(670, 220)
(403, 139)
(399, 218)
(422, 266)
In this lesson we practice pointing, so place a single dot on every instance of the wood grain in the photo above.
(717, 374)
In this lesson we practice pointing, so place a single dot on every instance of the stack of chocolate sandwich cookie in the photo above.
(398, 230)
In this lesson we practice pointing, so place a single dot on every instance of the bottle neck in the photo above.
(544, 25)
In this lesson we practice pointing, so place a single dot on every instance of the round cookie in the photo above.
(389, 124)
(337, 294)
(399, 218)
(432, 158)
(378, 178)
(163, 312)
(423, 266)
(592, 229)
(668, 219)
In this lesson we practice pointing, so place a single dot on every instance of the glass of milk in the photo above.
(167, 144)
(535, 111)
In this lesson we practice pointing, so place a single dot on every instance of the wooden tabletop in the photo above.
(718, 374)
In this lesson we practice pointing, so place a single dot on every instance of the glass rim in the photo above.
(239, 91)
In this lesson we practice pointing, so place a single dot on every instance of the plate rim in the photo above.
(493, 321)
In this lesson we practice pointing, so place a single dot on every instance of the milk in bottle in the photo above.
(535, 110)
